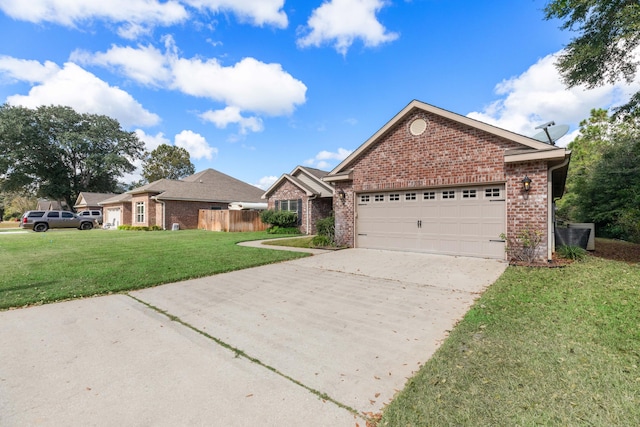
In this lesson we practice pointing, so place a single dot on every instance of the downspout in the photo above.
(163, 212)
(309, 199)
(550, 214)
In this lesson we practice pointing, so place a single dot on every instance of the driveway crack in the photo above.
(241, 354)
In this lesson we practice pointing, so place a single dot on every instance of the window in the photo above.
(410, 196)
(429, 195)
(67, 215)
(139, 211)
(378, 198)
(289, 205)
(449, 194)
(394, 197)
(53, 215)
(468, 194)
(364, 198)
(491, 192)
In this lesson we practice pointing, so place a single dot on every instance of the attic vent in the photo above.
(418, 126)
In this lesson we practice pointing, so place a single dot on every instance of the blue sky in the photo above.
(253, 88)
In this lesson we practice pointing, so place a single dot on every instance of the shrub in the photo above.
(286, 219)
(326, 232)
(573, 252)
(282, 230)
(321, 241)
(525, 245)
(127, 227)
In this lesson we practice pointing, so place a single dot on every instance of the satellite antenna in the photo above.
(551, 132)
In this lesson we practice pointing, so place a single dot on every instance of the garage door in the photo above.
(452, 221)
(113, 217)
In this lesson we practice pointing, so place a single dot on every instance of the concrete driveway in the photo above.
(308, 342)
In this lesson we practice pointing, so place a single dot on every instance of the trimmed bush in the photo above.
(285, 219)
(282, 230)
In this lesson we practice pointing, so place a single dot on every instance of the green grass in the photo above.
(541, 347)
(296, 242)
(62, 264)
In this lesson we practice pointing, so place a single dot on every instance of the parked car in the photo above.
(44, 220)
(92, 214)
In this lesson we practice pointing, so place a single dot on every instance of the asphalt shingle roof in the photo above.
(208, 185)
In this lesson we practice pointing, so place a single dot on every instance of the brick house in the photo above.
(88, 201)
(166, 202)
(434, 181)
(302, 191)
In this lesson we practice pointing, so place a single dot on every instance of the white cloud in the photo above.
(196, 145)
(247, 86)
(256, 12)
(327, 159)
(221, 118)
(137, 16)
(27, 70)
(265, 182)
(144, 64)
(341, 22)
(538, 96)
(152, 142)
(77, 88)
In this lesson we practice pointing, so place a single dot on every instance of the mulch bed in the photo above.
(616, 250)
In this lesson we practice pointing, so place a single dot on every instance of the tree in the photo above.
(609, 33)
(586, 151)
(168, 162)
(55, 152)
(603, 185)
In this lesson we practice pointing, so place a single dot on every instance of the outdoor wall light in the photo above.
(526, 183)
(341, 195)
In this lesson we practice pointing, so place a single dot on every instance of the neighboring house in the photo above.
(302, 191)
(91, 201)
(116, 210)
(434, 181)
(166, 202)
(51, 205)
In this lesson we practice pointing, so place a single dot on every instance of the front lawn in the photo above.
(62, 264)
(541, 347)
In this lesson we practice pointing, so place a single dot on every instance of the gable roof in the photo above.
(208, 185)
(307, 179)
(87, 198)
(118, 198)
(531, 148)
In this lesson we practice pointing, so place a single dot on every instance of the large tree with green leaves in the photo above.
(603, 185)
(56, 152)
(167, 161)
(603, 52)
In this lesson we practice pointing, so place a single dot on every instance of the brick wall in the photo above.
(288, 191)
(320, 208)
(448, 153)
(184, 213)
(528, 210)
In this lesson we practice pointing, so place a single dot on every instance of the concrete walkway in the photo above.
(305, 342)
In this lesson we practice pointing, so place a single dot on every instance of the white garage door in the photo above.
(452, 221)
(113, 217)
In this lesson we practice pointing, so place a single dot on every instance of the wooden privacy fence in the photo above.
(226, 220)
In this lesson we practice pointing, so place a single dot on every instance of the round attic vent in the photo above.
(418, 126)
